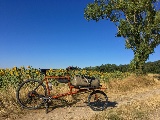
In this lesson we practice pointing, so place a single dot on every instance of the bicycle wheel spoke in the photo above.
(28, 96)
(98, 100)
(28, 101)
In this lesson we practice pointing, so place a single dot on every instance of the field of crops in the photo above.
(14, 76)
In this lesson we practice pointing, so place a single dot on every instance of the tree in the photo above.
(137, 21)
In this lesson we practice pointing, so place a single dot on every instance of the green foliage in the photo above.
(152, 67)
(138, 21)
(14, 76)
(149, 67)
(106, 72)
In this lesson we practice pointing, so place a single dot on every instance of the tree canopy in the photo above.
(138, 21)
(149, 67)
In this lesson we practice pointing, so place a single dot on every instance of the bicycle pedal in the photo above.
(45, 98)
(48, 99)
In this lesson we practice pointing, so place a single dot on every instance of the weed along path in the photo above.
(140, 100)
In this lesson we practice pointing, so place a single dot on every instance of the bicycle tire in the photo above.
(30, 98)
(98, 100)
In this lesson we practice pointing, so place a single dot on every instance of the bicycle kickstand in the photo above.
(46, 106)
(46, 103)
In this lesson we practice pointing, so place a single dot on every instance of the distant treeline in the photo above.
(150, 67)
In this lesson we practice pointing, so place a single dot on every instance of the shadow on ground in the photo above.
(112, 104)
(65, 103)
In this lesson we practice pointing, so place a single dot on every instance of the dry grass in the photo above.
(132, 84)
(8, 104)
(139, 109)
(9, 108)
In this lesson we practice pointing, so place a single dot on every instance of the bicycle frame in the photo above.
(71, 92)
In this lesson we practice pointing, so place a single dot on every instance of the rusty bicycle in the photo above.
(32, 94)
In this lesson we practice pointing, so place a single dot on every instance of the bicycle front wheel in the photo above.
(30, 94)
(98, 100)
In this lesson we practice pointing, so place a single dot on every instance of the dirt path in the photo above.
(80, 110)
(71, 113)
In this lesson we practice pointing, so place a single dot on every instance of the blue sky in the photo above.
(55, 34)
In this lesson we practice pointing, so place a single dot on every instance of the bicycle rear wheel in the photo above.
(30, 94)
(98, 100)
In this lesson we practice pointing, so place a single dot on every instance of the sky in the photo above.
(55, 34)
